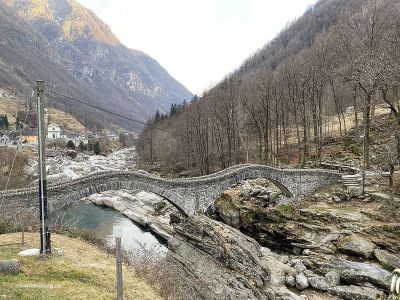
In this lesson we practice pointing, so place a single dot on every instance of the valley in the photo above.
(279, 182)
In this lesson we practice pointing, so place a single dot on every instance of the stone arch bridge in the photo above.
(189, 195)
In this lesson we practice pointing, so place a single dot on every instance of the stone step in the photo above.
(350, 180)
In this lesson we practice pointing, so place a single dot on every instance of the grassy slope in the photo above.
(66, 121)
(10, 106)
(83, 272)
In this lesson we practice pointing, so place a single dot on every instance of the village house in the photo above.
(112, 136)
(54, 132)
(28, 136)
(77, 140)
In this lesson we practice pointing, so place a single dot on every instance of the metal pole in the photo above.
(118, 259)
(45, 245)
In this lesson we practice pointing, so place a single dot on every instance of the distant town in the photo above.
(58, 138)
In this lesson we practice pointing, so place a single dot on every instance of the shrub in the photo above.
(82, 146)
(71, 145)
(96, 148)
(172, 282)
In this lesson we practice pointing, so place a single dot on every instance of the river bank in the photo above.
(331, 245)
(255, 243)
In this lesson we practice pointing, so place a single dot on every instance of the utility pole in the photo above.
(45, 245)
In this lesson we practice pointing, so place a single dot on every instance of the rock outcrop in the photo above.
(358, 273)
(143, 208)
(387, 259)
(225, 264)
(357, 293)
(357, 245)
(334, 240)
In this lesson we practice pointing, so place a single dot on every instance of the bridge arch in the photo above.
(190, 196)
(59, 200)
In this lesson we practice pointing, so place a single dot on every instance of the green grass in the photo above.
(83, 272)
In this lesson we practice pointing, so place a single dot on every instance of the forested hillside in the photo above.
(75, 53)
(279, 106)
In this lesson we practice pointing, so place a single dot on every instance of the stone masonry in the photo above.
(189, 195)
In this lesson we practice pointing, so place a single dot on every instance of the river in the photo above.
(105, 223)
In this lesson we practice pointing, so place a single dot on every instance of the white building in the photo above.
(53, 132)
(78, 139)
(112, 136)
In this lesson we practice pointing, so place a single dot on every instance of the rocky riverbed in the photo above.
(64, 168)
(254, 243)
(339, 243)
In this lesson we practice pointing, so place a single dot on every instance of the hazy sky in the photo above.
(197, 41)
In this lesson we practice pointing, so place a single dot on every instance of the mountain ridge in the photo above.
(128, 79)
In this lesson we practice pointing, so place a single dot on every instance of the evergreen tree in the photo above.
(82, 146)
(90, 146)
(172, 110)
(4, 122)
(70, 145)
(195, 98)
(96, 148)
(157, 116)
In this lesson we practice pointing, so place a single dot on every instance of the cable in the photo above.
(107, 111)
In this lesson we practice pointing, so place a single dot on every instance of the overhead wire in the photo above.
(107, 111)
(82, 102)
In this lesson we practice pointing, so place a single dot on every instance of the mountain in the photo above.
(320, 77)
(70, 48)
(299, 35)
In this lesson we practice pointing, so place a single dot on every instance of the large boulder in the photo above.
(319, 283)
(332, 278)
(301, 281)
(357, 245)
(290, 280)
(358, 273)
(388, 260)
(9, 267)
(299, 266)
(281, 273)
(356, 293)
(245, 189)
(226, 210)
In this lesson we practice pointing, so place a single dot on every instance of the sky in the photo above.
(197, 41)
